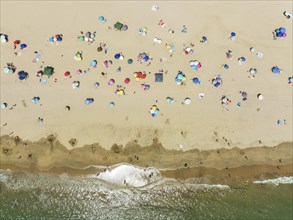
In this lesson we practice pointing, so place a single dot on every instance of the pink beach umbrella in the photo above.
(111, 82)
(78, 72)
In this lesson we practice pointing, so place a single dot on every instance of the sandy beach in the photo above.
(256, 111)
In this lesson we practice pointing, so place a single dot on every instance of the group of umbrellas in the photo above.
(36, 99)
(22, 75)
(145, 86)
(88, 37)
(143, 31)
(195, 65)
(20, 44)
(180, 78)
(154, 111)
(139, 76)
(75, 84)
(56, 39)
(78, 56)
(217, 81)
(143, 57)
(120, 27)
(280, 32)
(10, 68)
(188, 51)
(241, 60)
(225, 101)
(120, 90)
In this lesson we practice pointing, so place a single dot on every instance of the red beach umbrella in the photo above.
(127, 80)
(143, 76)
(16, 42)
(67, 73)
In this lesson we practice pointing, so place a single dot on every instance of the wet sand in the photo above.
(214, 166)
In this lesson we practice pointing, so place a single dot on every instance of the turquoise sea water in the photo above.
(48, 196)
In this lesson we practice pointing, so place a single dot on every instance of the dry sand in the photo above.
(204, 124)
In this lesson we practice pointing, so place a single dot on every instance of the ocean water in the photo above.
(49, 196)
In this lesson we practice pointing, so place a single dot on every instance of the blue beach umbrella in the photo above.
(243, 59)
(196, 80)
(204, 38)
(94, 63)
(59, 39)
(101, 18)
(233, 34)
(22, 46)
(129, 61)
(282, 30)
(279, 34)
(89, 101)
(146, 58)
(226, 66)
(276, 70)
(117, 56)
(96, 85)
(51, 39)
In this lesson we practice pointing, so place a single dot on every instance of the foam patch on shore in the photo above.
(130, 175)
(280, 180)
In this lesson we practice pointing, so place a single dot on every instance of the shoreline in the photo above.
(222, 166)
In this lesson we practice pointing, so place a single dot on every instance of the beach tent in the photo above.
(118, 26)
(48, 71)
(159, 77)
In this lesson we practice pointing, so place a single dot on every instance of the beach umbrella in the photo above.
(196, 80)
(16, 42)
(117, 56)
(22, 75)
(59, 38)
(89, 101)
(4, 105)
(99, 49)
(81, 38)
(204, 38)
(124, 27)
(23, 46)
(111, 82)
(187, 101)
(155, 8)
(111, 104)
(129, 61)
(226, 66)
(67, 73)
(260, 96)
(276, 70)
(233, 34)
(51, 39)
(101, 18)
(121, 57)
(146, 58)
(35, 100)
(127, 80)
(279, 34)
(94, 63)
(96, 85)
(282, 30)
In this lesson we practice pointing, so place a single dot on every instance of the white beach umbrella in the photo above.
(187, 101)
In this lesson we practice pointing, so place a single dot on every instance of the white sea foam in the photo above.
(280, 180)
(130, 175)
